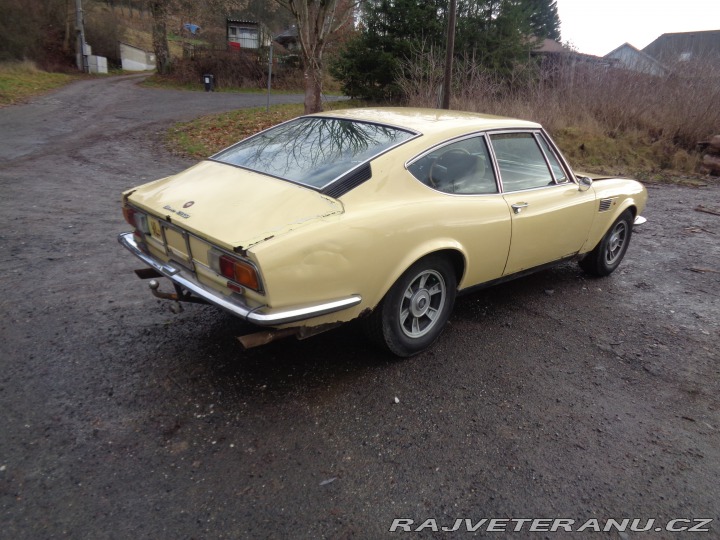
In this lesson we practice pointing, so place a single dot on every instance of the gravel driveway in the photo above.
(552, 397)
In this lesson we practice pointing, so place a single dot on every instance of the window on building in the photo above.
(245, 35)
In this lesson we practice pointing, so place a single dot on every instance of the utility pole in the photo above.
(82, 61)
(449, 54)
(267, 108)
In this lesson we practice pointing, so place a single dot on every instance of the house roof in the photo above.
(672, 47)
(287, 36)
(141, 49)
(641, 59)
(551, 46)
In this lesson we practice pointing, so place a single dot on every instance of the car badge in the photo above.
(188, 204)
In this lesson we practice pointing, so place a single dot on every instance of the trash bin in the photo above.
(209, 82)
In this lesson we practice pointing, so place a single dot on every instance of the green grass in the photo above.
(20, 81)
(207, 135)
(192, 41)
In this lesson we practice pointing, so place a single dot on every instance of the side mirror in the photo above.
(584, 183)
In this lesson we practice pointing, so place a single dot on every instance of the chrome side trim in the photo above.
(259, 316)
(639, 220)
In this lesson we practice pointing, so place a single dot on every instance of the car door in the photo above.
(550, 216)
(474, 211)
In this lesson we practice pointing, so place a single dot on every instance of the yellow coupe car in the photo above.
(383, 214)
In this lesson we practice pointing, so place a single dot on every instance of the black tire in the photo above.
(414, 311)
(607, 255)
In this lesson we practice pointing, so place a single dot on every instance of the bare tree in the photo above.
(159, 10)
(318, 21)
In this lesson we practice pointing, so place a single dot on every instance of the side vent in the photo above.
(606, 204)
(351, 180)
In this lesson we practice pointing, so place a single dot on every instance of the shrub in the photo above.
(230, 68)
(103, 32)
(35, 29)
(658, 120)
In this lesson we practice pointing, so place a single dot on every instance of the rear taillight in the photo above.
(137, 219)
(129, 215)
(234, 269)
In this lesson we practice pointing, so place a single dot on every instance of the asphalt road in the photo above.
(552, 397)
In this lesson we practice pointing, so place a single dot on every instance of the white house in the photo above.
(135, 59)
(628, 57)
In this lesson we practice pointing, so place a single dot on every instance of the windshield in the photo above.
(313, 151)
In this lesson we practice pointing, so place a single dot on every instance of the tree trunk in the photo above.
(69, 15)
(158, 8)
(317, 22)
(313, 87)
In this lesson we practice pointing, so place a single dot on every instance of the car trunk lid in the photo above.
(231, 206)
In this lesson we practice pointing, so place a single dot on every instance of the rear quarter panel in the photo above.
(389, 223)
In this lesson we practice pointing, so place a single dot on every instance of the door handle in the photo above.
(518, 207)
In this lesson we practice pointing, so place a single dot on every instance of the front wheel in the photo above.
(606, 256)
(413, 313)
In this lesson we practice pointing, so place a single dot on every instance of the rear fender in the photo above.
(419, 252)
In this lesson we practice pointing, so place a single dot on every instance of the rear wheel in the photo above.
(606, 256)
(414, 312)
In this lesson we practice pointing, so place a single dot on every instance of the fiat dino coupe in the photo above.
(382, 214)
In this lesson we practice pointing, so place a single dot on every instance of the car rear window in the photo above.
(313, 151)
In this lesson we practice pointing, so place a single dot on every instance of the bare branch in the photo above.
(317, 21)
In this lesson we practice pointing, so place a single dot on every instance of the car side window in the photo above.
(558, 171)
(521, 162)
(463, 167)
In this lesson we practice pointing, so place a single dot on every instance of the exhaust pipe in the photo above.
(258, 339)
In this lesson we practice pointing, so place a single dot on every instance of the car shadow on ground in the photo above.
(203, 354)
(509, 296)
(209, 358)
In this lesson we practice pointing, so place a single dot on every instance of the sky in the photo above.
(598, 27)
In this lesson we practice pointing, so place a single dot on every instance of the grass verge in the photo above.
(207, 135)
(20, 81)
(630, 154)
(165, 82)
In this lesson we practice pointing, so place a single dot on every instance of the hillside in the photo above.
(137, 30)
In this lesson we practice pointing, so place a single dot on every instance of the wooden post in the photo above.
(449, 54)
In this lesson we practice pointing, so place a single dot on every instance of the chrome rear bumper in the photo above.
(261, 316)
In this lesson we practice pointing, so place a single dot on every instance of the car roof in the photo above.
(431, 122)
